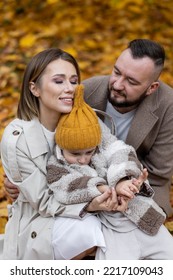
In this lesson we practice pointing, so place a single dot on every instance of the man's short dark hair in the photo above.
(147, 48)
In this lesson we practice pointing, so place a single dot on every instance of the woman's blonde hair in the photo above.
(28, 106)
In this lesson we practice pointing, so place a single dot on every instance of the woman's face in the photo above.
(55, 90)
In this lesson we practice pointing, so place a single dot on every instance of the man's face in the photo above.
(131, 81)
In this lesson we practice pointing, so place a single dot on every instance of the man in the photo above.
(142, 109)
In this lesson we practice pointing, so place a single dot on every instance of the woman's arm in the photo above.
(29, 175)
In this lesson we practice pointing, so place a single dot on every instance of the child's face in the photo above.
(82, 157)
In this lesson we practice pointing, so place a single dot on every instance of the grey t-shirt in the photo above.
(122, 121)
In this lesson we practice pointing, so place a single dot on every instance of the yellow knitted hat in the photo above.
(79, 129)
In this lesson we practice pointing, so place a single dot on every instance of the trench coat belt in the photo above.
(13, 236)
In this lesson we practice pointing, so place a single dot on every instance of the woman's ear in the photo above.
(34, 89)
(152, 88)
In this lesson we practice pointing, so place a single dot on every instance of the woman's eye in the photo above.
(58, 82)
(74, 82)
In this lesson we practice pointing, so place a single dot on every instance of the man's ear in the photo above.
(34, 89)
(152, 88)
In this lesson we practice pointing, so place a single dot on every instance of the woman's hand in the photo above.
(107, 201)
(11, 190)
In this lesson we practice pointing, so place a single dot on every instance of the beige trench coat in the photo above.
(24, 154)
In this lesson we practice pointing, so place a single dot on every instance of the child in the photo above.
(83, 166)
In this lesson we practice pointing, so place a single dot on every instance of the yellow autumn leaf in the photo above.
(27, 41)
(70, 50)
(12, 57)
(3, 208)
(2, 193)
(90, 44)
(84, 64)
(169, 226)
(3, 222)
(49, 31)
(52, 1)
(122, 4)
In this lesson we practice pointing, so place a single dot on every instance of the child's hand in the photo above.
(140, 180)
(126, 189)
(120, 204)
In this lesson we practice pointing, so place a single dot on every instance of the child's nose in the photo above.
(82, 159)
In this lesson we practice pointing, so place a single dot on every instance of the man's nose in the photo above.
(118, 84)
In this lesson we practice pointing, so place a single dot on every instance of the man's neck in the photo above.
(124, 110)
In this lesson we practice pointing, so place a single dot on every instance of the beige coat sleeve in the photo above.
(29, 175)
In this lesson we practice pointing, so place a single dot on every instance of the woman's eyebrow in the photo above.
(63, 75)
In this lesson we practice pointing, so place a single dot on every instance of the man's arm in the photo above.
(11, 190)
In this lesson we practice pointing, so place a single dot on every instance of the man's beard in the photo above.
(126, 103)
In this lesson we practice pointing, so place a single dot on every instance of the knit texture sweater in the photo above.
(113, 161)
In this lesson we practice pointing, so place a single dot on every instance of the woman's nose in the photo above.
(69, 87)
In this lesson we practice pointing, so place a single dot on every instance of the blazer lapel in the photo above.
(143, 122)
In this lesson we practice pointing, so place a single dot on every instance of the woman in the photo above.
(48, 90)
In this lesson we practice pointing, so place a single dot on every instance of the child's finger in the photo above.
(134, 188)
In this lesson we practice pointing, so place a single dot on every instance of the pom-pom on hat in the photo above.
(79, 129)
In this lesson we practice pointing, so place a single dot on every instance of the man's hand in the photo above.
(11, 190)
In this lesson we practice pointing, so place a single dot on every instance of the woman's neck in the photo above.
(50, 122)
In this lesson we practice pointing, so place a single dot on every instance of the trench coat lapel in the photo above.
(36, 142)
(144, 121)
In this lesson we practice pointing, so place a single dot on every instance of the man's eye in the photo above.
(132, 82)
(117, 73)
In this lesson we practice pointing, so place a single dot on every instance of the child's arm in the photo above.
(103, 188)
(72, 184)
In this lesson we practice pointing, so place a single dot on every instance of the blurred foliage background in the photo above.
(93, 31)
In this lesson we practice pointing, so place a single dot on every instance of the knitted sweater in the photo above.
(114, 160)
